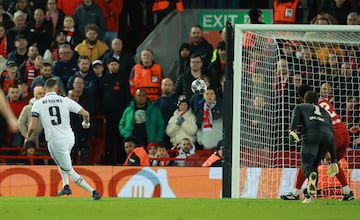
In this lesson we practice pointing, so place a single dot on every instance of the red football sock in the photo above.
(300, 179)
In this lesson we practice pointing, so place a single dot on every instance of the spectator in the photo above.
(98, 68)
(118, 52)
(27, 68)
(16, 106)
(114, 96)
(25, 118)
(69, 6)
(20, 54)
(352, 18)
(111, 11)
(182, 124)
(209, 121)
(308, 65)
(89, 13)
(167, 104)
(91, 81)
(256, 16)
(59, 39)
(350, 113)
(164, 158)
(136, 155)
(54, 15)
(337, 8)
(24, 6)
(197, 100)
(82, 136)
(25, 95)
(34, 70)
(183, 83)
(346, 83)
(288, 12)
(40, 31)
(19, 28)
(281, 79)
(199, 45)
(185, 149)
(324, 18)
(73, 36)
(216, 69)
(92, 46)
(216, 159)
(8, 76)
(46, 74)
(142, 120)
(67, 65)
(152, 148)
(260, 117)
(30, 150)
(182, 64)
(148, 75)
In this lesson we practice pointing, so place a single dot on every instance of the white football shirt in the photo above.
(54, 113)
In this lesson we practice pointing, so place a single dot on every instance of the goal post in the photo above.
(270, 62)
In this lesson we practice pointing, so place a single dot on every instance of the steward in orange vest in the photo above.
(137, 156)
(147, 75)
(287, 11)
(216, 159)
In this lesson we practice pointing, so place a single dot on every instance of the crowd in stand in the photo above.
(166, 114)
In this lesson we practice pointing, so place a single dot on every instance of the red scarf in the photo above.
(31, 74)
(207, 117)
(3, 47)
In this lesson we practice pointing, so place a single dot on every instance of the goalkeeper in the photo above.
(342, 140)
(318, 138)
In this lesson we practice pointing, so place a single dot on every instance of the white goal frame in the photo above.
(312, 30)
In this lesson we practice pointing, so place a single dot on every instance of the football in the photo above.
(198, 86)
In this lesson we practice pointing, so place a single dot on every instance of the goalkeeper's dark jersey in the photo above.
(311, 117)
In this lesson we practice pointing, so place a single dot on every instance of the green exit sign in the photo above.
(215, 20)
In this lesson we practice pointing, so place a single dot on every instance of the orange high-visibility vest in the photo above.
(141, 154)
(148, 78)
(161, 5)
(212, 159)
(285, 12)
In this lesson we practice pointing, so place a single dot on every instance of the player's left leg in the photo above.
(61, 151)
(309, 161)
(342, 141)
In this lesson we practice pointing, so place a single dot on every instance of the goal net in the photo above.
(270, 63)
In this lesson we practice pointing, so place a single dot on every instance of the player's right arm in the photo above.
(86, 118)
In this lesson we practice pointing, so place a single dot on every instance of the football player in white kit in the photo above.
(54, 112)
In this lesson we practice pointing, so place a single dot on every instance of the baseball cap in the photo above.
(10, 63)
(96, 62)
(152, 144)
(181, 99)
(20, 36)
(113, 59)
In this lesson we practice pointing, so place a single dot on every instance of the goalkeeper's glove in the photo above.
(333, 169)
(294, 135)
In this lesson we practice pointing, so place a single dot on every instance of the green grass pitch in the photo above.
(68, 208)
